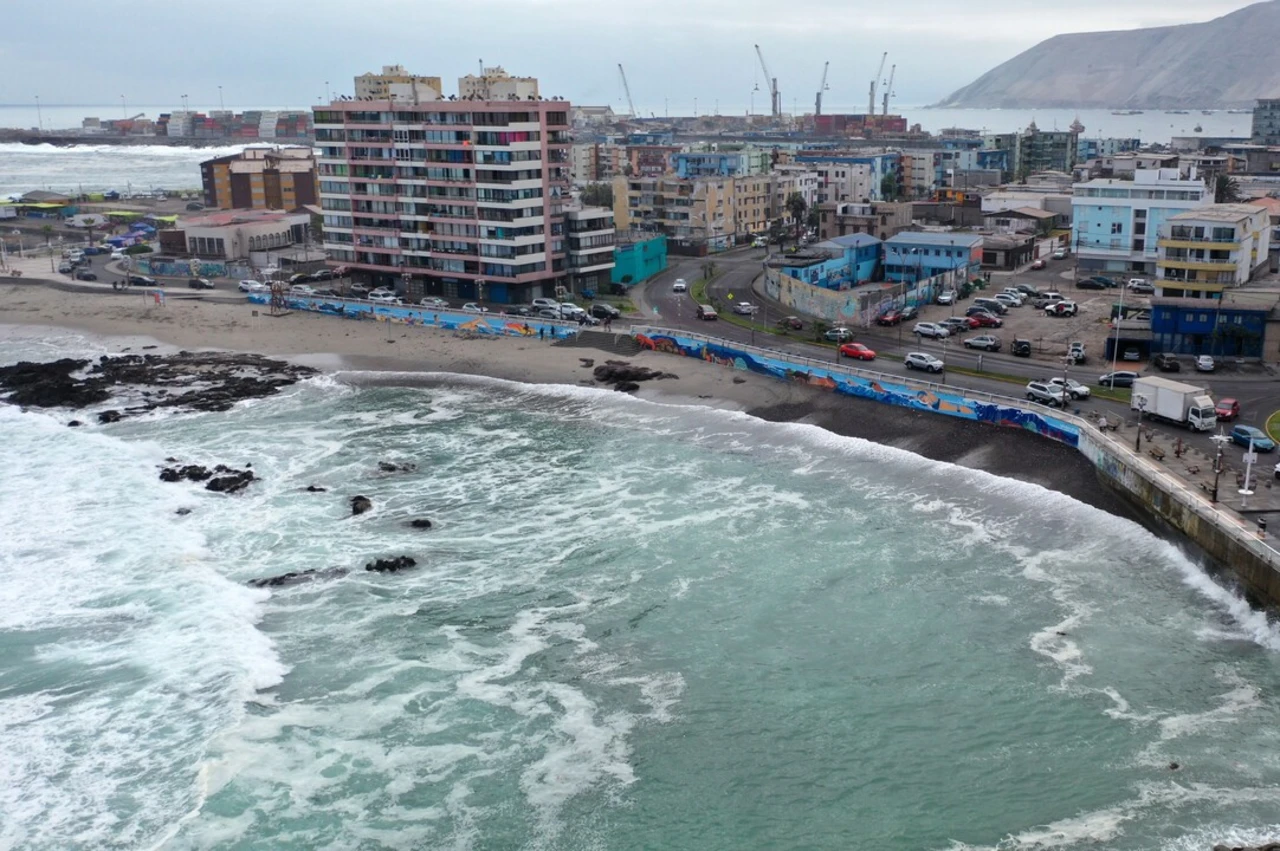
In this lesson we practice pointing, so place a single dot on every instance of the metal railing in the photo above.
(1175, 488)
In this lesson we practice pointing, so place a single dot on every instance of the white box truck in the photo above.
(1174, 402)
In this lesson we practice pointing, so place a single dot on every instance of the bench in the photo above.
(1156, 452)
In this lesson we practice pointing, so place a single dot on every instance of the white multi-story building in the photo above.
(838, 182)
(1115, 223)
(496, 84)
(1204, 251)
(591, 240)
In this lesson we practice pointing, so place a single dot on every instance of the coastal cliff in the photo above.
(1228, 62)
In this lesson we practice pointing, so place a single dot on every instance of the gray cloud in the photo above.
(281, 52)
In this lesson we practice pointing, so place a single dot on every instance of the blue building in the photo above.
(916, 256)
(638, 260)
(693, 164)
(881, 164)
(996, 158)
(836, 264)
(1188, 326)
(1091, 149)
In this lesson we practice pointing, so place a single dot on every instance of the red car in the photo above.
(1227, 409)
(889, 317)
(986, 320)
(1039, 264)
(857, 351)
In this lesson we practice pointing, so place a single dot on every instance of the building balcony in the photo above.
(1197, 265)
(1197, 244)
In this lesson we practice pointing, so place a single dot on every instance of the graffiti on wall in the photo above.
(858, 306)
(180, 268)
(934, 399)
(448, 320)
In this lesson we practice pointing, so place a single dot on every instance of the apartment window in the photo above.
(1116, 227)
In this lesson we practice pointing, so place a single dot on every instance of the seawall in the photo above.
(1221, 535)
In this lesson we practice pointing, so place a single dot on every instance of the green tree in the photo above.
(598, 195)
(1226, 190)
(796, 207)
(889, 187)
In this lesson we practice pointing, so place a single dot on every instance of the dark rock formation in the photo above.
(295, 577)
(74, 424)
(420, 523)
(389, 467)
(182, 512)
(191, 473)
(231, 481)
(390, 565)
(316, 489)
(360, 504)
(624, 376)
(205, 381)
(588, 362)
(1270, 846)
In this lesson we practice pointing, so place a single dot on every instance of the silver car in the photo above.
(921, 360)
(930, 329)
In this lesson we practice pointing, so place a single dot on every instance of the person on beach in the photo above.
(542, 332)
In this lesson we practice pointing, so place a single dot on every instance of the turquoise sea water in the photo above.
(633, 626)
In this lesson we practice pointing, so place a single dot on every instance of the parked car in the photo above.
(744, 308)
(1046, 393)
(434, 301)
(1120, 378)
(946, 297)
(66, 267)
(1060, 254)
(322, 275)
(1166, 362)
(1008, 299)
(974, 310)
(1107, 283)
(299, 278)
(857, 351)
(1205, 363)
(1131, 353)
(117, 255)
(910, 312)
(472, 307)
(1139, 286)
(545, 304)
(995, 306)
(921, 360)
(326, 292)
(986, 342)
(518, 310)
(1015, 292)
(959, 324)
(199, 283)
(1090, 284)
(986, 320)
(1020, 348)
(358, 290)
(1038, 263)
(930, 329)
(1028, 290)
(1075, 352)
(142, 281)
(383, 298)
(381, 291)
(600, 310)
(707, 313)
(257, 287)
(568, 310)
(1062, 308)
(1244, 435)
(680, 286)
(548, 313)
(1227, 409)
(839, 334)
(791, 323)
(889, 317)
(1074, 388)
(305, 290)
(85, 275)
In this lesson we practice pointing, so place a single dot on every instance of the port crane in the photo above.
(871, 107)
(888, 90)
(774, 97)
(822, 87)
(627, 88)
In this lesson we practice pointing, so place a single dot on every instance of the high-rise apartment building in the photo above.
(455, 198)
(1266, 122)
(260, 179)
(395, 81)
(496, 84)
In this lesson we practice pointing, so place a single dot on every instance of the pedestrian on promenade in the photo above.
(542, 332)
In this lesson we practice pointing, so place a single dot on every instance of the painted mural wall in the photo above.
(450, 320)
(856, 307)
(182, 268)
(890, 390)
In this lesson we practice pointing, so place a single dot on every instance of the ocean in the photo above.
(632, 626)
(91, 167)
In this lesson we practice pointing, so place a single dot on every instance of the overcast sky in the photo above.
(281, 52)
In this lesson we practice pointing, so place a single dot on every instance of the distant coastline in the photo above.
(70, 140)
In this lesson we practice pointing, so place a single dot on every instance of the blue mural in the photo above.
(497, 324)
(879, 388)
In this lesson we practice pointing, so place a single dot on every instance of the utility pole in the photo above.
(39, 117)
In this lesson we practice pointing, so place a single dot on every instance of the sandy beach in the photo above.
(335, 344)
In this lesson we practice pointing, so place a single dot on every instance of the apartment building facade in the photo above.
(881, 219)
(261, 179)
(1116, 223)
(456, 198)
(697, 216)
(1266, 122)
(371, 86)
(720, 163)
(591, 240)
(1204, 251)
(594, 162)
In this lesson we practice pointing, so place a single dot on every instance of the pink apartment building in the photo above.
(463, 199)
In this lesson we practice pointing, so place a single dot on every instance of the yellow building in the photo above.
(715, 212)
(261, 179)
(370, 86)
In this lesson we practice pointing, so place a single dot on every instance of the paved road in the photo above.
(737, 270)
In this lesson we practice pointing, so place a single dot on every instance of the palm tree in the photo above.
(1226, 190)
(796, 206)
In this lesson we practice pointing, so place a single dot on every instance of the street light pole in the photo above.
(1115, 349)
(1221, 440)
(1142, 409)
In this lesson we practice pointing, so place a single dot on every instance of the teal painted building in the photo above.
(639, 260)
